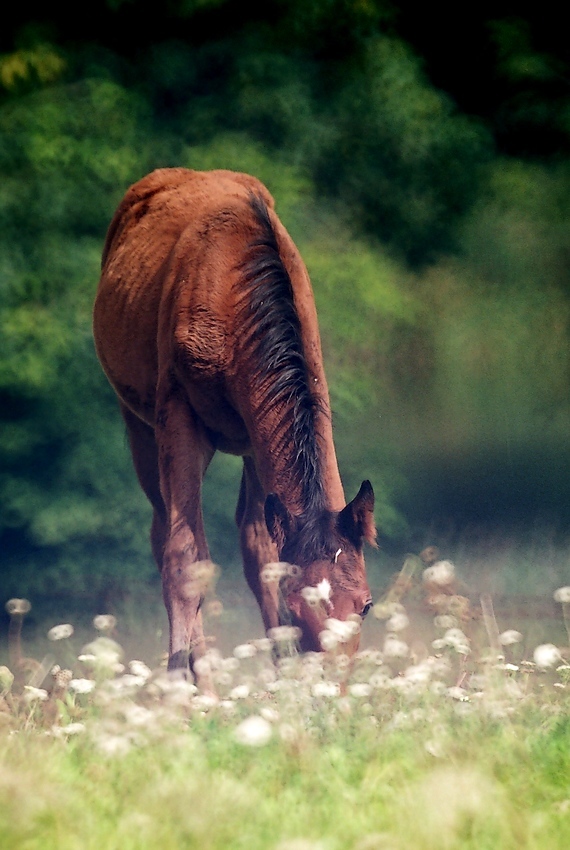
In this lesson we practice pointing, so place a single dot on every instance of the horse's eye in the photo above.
(366, 609)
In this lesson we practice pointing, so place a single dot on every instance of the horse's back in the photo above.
(171, 252)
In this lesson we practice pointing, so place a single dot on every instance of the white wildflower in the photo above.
(360, 689)
(325, 689)
(546, 655)
(311, 596)
(204, 702)
(343, 629)
(32, 694)
(240, 692)
(328, 640)
(140, 669)
(379, 680)
(562, 594)
(284, 634)
(82, 686)
(138, 715)
(385, 608)
(458, 640)
(442, 573)
(270, 714)
(274, 571)
(104, 622)
(18, 606)
(254, 731)
(394, 647)
(445, 621)
(67, 731)
(397, 622)
(459, 694)
(418, 673)
(61, 632)
(510, 637)
(245, 650)
(106, 652)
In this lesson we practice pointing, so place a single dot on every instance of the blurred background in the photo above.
(419, 157)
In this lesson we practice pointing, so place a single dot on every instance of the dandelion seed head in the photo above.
(140, 669)
(325, 689)
(68, 731)
(18, 606)
(445, 621)
(442, 573)
(342, 662)
(458, 693)
(344, 630)
(360, 689)
(240, 692)
(245, 650)
(397, 622)
(458, 640)
(284, 634)
(386, 608)
(61, 632)
(32, 694)
(254, 731)
(510, 637)
(328, 640)
(106, 653)
(81, 686)
(274, 571)
(104, 622)
(546, 655)
(204, 702)
(311, 596)
(562, 594)
(394, 647)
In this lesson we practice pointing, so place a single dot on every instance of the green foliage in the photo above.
(440, 269)
(398, 154)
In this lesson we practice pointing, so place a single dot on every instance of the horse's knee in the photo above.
(183, 574)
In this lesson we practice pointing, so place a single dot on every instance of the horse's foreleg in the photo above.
(184, 454)
(257, 547)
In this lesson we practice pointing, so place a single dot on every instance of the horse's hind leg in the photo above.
(145, 459)
(257, 546)
(184, 452)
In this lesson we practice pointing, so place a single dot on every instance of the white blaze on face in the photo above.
(324, 589)
(313, 596)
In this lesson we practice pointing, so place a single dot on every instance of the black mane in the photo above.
(272, 334)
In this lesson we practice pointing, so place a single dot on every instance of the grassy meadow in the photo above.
(443, 732)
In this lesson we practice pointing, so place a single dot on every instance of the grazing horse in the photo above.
(205, 325)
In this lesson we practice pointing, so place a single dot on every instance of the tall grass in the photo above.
(458, 738)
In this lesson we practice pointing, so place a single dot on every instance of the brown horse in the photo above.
(205, 325)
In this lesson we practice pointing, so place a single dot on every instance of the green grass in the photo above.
(438, 748)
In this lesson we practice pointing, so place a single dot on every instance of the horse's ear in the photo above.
(278, 520)
(356, 520)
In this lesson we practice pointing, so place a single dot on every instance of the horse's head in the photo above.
(325, 593)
